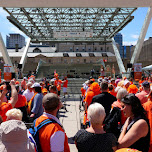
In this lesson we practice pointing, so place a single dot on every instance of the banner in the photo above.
(7, 72)
(137, 70)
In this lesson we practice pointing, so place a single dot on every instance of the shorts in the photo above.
(59, 93)
(64, 89)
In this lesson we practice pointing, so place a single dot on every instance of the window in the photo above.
(37, 50)
(85, 60)
(101, 48)
(83, 49)
(77, 49)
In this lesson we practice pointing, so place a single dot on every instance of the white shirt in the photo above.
(58, 138)
(28, 95)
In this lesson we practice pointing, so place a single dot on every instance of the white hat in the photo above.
(126, 81)
(29, 84)
(25, 78)
(14, 137)
(36, 85)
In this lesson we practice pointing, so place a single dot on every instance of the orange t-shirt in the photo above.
(89, 97)
(83, 91)
(65, 84)
(21, 102)
(3, 109)
(58, 83)
(23, 84)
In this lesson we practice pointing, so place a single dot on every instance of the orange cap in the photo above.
(17, 82)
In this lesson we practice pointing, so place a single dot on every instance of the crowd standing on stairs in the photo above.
(117, 115)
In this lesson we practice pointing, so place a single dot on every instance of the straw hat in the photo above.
(14, 138)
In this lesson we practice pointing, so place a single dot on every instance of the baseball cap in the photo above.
(146, 84)
(126, 81)
(36, 85)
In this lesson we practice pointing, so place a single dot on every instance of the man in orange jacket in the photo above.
(52, 136)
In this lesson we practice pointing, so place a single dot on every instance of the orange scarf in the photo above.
(30, 103)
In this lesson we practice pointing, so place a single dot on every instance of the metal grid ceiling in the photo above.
(39, 23)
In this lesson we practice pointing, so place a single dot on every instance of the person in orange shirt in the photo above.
(131, 80)
(113, 83)
(53, 89)
(58, 83)
(112, 90)
(21, 104)
(148, 107)
(141, 81)
(4, 107)
(65, 85)
(94, 90)
(121, 93)
(23, 83)
(44, 91)
(142, 96)
(126, 84)
(52, 136)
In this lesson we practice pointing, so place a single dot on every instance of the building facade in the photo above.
(15, 41)
(119, 39)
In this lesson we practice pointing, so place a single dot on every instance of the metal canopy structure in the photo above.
(40, 23)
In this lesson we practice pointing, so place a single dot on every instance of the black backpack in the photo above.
(112, 123)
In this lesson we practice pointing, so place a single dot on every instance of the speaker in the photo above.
(13, 75)
(20, 66)
(129, 65)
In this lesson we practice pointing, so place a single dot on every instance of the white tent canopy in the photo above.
(149, 67)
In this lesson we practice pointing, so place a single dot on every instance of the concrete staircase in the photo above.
(73, 70)
(74, 86)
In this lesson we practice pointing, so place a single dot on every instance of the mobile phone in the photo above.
(8, 85)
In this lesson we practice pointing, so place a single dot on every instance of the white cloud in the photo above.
(135, 36)
(129, 43)
(14, 29)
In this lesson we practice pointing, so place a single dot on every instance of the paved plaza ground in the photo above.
(71, 119)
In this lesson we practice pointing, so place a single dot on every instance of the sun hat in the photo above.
(25, 78)
(36, 85)
(29, 84)
(14, 138)
(126, 81)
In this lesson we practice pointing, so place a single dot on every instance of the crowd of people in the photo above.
(29, 102)
(106, 99)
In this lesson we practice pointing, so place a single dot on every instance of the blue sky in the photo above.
(130, 32)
